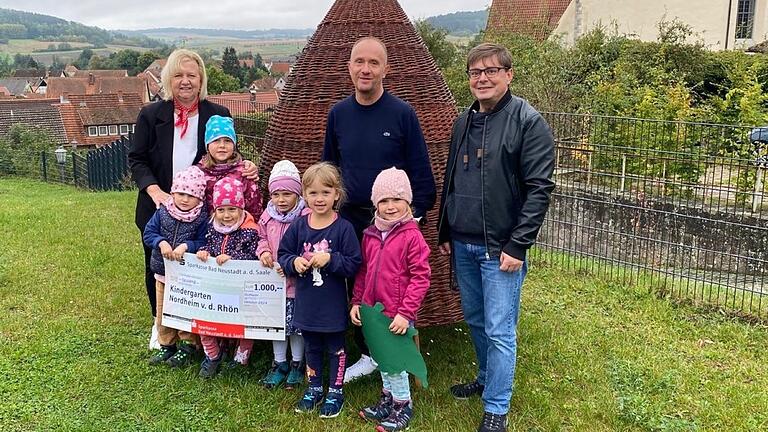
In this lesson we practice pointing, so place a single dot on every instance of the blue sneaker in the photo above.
(331, 408)
(380, 411)
(399, 419)
(312, 398)
(277, 374)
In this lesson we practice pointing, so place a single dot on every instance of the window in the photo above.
(103, 131)
(124, 129)
(745, 19)
(113, 130)
(93, 131)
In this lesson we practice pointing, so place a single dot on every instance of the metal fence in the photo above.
(681, 204)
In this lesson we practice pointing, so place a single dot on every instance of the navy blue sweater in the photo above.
(321, 308)
(363, 140)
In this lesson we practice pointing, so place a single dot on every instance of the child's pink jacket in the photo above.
(270, 233)
(395, 271)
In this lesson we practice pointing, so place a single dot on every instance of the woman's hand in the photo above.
(250, 171)
(157, 195)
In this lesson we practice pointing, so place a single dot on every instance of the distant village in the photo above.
(92, 108)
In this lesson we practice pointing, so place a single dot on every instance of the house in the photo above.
(268, 83)
(720, 24)
(151, 75)
(247, 63)
(281, 68)
(17, 86)
(94, 85)
(248, 103)
(98, 119)
(34, 113)
(30, 73)
(102, 73)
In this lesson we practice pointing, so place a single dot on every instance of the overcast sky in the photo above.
(227, 14)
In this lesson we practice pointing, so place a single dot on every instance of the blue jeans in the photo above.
(490, 299)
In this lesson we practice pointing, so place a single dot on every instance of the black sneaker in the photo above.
(465, 391)
(493, 423)
(166, 352)
(311, 399)
(380, 411)
(332, 404)
(399, 419)
(210, 367)
(184, 356)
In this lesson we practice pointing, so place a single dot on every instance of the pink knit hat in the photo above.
(228, 192)
(190, 181)
(285, 176)
(391, 183)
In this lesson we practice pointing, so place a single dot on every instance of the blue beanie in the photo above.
(218, 127)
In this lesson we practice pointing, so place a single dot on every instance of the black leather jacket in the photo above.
(516, 171)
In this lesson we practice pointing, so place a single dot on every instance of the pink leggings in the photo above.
(212, 348)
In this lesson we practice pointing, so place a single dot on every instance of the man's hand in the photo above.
(319, 259)
(399, 325)
(445, 248)
(509, 264)
(354, 315)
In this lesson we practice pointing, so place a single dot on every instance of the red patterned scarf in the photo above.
(184, 113)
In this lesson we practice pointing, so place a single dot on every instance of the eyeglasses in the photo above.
(489, 72)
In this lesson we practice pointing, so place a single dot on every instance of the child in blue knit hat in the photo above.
(224, 160)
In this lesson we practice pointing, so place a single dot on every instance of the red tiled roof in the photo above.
(247, 103)
(320, 78)
(282, 68)
(81, 111)
(536, 18)
(247, 63)
(266, 83)
(101, 85)
(117, 73)
(38, 113)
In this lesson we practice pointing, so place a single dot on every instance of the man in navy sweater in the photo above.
(366, 133)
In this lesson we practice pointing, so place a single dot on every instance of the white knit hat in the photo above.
(285, 176)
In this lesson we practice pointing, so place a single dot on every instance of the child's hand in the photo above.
(221, 259)
(320, 259)
(301, 265)
(399, 325)
(266, 259)
(166, 250)
(354, 314)
(279, 270)
(203, 255)
(178, 253)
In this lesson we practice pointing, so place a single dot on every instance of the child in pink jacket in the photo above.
(395, 272)
(285, 205)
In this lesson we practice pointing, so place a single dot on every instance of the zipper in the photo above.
(224, 243)
(451, 169)
(378, 266)
(175, 231)
(482, 189)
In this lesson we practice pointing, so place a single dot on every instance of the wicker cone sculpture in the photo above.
(320, 78)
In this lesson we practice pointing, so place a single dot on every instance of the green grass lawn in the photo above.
(594, 355)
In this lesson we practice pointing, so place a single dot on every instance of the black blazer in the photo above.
(151, 155)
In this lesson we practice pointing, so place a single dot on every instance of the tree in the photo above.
(84, 58)
(145, 59)
(219, 82)
(230, 64)
(442, 50)
(99, 62)
(126, 59)
(6, 64)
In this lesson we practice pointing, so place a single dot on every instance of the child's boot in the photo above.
(184, 356)
(210, 367)
(166, 352)
(380, 411)
(277, 374)
(295, 376)
(311, 399)
(399, 419)
(333, 403)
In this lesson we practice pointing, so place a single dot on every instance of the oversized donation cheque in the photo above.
(240, 299)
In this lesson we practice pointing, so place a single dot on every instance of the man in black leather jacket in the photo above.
(496, 192)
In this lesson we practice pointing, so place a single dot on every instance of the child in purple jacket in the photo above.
(232, 234)
(396, 249)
